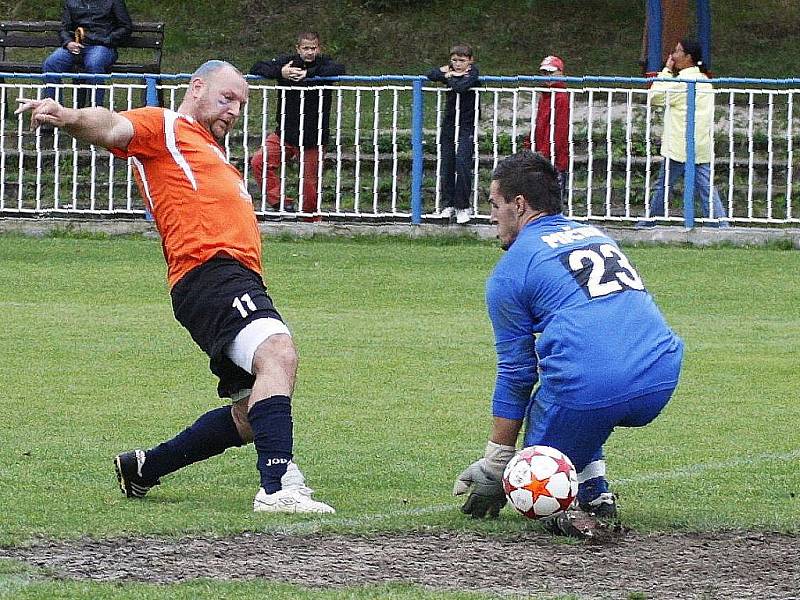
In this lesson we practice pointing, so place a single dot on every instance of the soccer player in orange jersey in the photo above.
(212, 246)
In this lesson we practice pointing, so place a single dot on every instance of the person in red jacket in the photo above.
(551, 132)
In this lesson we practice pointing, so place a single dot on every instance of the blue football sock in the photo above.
(213, 433)
(591, 488)
(271, 421)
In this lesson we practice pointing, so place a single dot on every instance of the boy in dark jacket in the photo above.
(294, 70)
(460, 75)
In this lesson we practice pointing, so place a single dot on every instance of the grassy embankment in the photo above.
(750, 38)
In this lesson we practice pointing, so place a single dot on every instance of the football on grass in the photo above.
(540, 481)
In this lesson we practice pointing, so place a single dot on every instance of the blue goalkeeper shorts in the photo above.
(580, 434)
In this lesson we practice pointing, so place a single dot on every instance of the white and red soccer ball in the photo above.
(540, 482)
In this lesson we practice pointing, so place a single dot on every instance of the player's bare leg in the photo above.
(283, 486)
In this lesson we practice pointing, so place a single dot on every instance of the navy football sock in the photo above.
(213, 433)
(591, 488)
(271, 421)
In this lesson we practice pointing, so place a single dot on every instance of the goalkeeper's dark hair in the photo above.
(530, 175)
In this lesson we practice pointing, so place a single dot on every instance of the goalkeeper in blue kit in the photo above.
(570, 312)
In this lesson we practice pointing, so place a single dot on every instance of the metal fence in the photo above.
(383, 159)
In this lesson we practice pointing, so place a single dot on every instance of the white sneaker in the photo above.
(293, 477)
(462, 216)
(295, 499)
(447, 212)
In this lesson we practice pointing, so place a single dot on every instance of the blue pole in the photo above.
(151, 99)
(654, 29)
(688, 178)
(416, 151)
(704, 29)
(152, 93)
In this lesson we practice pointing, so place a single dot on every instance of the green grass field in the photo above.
(396, 373)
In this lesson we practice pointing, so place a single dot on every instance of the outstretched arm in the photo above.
(97, 125)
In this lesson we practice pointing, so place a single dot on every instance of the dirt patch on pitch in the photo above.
(711, 565)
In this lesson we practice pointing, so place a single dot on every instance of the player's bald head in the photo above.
(216, 95)
(211, 68)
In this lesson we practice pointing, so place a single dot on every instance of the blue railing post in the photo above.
(152, 92)
(654, 28)
(151, 99)
(416, 151)
(704, 30)
(688, 177)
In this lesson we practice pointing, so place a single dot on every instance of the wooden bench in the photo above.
(25, 44)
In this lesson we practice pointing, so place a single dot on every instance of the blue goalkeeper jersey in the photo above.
(569, 309)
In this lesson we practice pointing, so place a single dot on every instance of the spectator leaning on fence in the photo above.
(90, 33)
(460, 74)
(553, 107)
(685, 63)
(212, 245)
(570, 312)
(297, 110)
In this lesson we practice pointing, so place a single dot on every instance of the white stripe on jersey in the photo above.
(145, 185)
(170, 118)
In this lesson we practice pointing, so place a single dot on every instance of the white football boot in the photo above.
(293, 497)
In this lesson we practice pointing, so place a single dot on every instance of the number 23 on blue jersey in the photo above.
(601, 270)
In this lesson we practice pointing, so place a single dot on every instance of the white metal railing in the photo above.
(368, 169)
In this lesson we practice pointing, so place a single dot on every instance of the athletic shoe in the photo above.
(447, 212)
(582, 525)
(719, 225)
(293, 499)
(645, 224)
(603, 507)
(293, 477)
(288, 206)
(463, 216)
(128, 466)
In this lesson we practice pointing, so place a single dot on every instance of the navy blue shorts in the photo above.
(580, 434)
(205, 302)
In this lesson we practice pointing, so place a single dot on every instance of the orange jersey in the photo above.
(198, 199)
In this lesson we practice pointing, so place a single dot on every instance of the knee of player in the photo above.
(277, 350)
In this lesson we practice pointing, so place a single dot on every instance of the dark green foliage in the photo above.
(409, 36)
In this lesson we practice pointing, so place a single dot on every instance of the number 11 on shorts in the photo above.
(243, 304)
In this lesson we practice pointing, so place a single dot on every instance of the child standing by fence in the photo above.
(457, 137)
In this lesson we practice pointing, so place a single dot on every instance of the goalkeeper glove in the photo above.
(485, 477)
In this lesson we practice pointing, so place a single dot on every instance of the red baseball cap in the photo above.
(551, 63)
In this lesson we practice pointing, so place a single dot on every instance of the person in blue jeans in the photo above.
(702, 183)
(457, 140)
(686, 63)
(90, 33)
